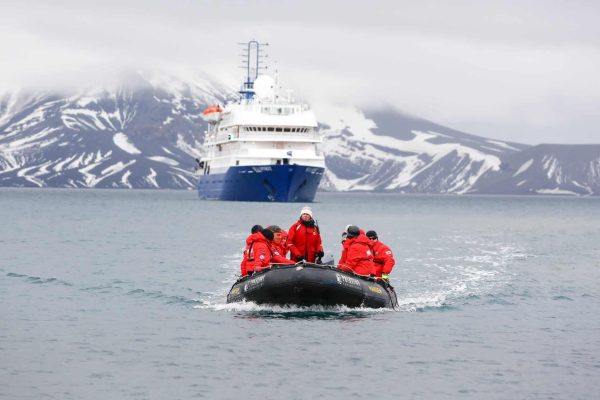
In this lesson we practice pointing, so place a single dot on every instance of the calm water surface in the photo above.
(121, 295)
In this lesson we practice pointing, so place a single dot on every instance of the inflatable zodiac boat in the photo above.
(308, 284)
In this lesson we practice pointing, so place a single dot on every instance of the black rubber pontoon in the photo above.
(312, 284)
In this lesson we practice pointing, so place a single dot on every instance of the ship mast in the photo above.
(252, 59)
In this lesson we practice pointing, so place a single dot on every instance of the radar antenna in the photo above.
(253, 60)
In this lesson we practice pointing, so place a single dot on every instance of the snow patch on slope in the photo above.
(524, 167)
(122, 141)
(125, 179)
(151, 179)
(555, 191)
(502, 144)
(164, 160)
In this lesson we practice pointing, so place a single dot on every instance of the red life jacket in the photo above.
(382, 257)
(357, 256)
(257, 254)
(278, 255)
(304, 241)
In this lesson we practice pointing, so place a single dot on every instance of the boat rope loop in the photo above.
(352, 270)
(334, 266)
(375, 278)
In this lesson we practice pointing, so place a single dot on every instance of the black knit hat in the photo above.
(372, 235)
(268, 234)
(256, 228)
(353, 231)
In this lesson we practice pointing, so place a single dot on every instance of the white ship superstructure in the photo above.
(262, 147)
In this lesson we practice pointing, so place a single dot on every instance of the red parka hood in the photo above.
(360, 239)
(255, 237)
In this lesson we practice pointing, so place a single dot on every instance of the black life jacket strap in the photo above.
(250, 252)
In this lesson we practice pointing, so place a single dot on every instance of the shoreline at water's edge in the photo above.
(357, 192)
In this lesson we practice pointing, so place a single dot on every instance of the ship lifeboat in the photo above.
(212, 114)
(307, 284)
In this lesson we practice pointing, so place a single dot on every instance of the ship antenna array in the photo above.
(253, 62)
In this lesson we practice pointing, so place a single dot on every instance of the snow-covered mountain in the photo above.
(546, 169)
(389, 151)
(144, 131)
(138, 132)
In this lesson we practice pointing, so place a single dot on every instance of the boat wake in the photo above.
(443, 274)
(462, 271)
(450, 272)
(275, 311)
(112, 288)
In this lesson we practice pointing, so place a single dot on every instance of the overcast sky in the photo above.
(526, 71)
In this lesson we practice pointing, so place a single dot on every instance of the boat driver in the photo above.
(382, 257)
(357, 256)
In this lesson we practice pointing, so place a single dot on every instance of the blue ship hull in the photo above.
(281, 183)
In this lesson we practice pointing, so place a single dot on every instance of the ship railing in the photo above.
(314, 137)
(295, 136)
(270, 108)
(300, 135)
(270, 159)
(269, 153)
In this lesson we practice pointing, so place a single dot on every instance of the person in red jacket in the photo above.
(284, 245)
(382, 256)
(278, 247)
(249, 241)
(357, 255)
(304, 239)
(258, 253)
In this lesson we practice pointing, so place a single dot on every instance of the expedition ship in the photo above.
(262, 147)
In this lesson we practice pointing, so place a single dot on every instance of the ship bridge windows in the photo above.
(279, 110)
(275, 129)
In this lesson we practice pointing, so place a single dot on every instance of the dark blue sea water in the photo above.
(121, 295)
